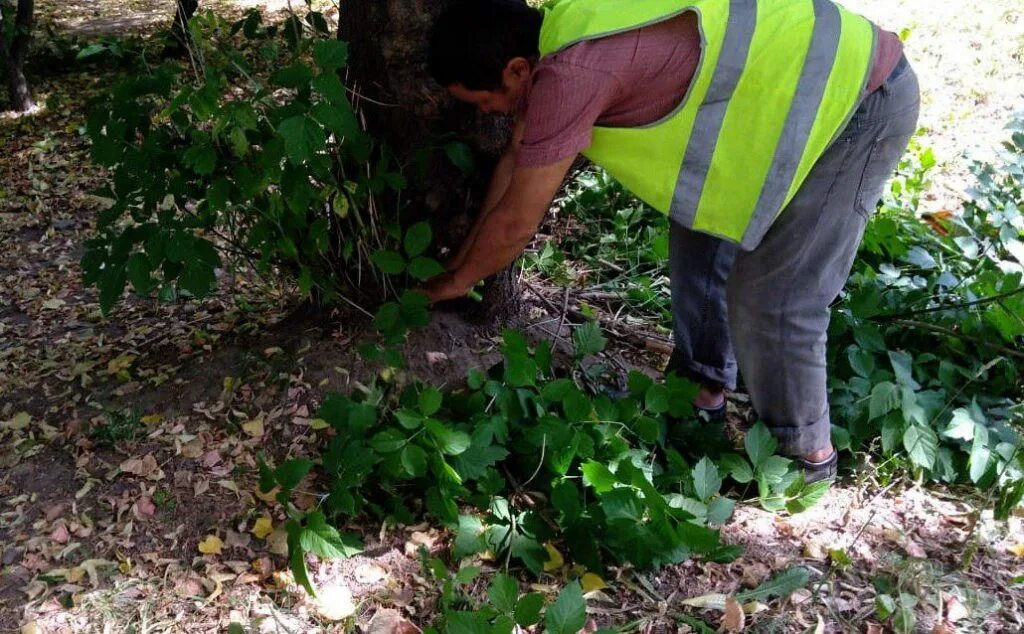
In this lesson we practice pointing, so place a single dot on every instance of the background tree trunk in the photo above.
(387, 64)
(179, 30)
(14, 52)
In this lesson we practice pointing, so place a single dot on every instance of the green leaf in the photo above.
(556, 391)
(329, 85)
(294, 76)
(303, 138)
(981, 454)
(388, 441)
(577, 406)
(461, 156)
(474, 462)
(449, 441)
(430, 399)
(706, 481)
(598, 476)
(647, 428)
(622, 504)
(139, 270)
(197, 278)
(760, 444)
(781, 585)
(389, 262)
(503, 593)
(236, 628)
(291, 472)
(469, 537)
(408, 419)
(737, 467)
(414, 460)
(961, 427)
(568, 614)
(425, 268)
(417, 239)
(297, 556)
(862, 361)
(902, 365)
(720, 510)
(588, 339)
(202, 158)
(467, 574)
(388, 317)
(467, 623)
(330, 54)
(657, 400)
(922, 444)
(885, 397)
(528, 609)
(808, 496)
(475, 379)
(322, 539)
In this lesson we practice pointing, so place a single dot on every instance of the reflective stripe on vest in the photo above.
(777, 81)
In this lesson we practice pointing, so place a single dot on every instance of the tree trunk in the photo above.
(405, 108)
(14, 53)
(180, 37)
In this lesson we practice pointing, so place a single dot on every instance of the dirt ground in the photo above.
(127, 442)
(970, 61)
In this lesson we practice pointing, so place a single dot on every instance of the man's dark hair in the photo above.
(473, 40)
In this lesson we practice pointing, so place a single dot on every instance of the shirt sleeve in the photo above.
(563, 105)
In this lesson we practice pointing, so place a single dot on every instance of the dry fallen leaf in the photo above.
(914, 549)
(335, 603)
(555, 560)
(942, 627)
(317, 424)
(592, 582)
(145, 467)
(389, 621)
(874, 628)
(144, 507)
(60, 534)
(735, 618)
(263, 527)
(1017, 549)
(956, 610)
(270, 496)
(370, 573)
(277, 542)
(707, 601)
(212, 545)
(254, 428)
(815, 550)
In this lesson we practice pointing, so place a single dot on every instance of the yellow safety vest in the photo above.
(777, 82)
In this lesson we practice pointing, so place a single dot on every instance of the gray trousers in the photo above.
(765, 312)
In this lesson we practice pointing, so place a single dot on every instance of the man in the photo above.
(765, 129)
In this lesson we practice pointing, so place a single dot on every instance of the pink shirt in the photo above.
(625, 80)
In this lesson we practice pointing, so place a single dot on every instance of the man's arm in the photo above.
(500, 180)
(505, 231)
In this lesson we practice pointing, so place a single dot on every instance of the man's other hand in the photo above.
(442, 287)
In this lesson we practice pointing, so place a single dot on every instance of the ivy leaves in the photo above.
(417, 239)
(225, 171)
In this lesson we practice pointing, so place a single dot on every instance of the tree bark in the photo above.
(180, 37)
(406, 109)
(14, 53)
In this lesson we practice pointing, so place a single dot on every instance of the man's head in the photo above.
(483, 51)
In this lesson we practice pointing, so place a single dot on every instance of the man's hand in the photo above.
(442, 287)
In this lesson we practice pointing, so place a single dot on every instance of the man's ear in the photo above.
(518, 68)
